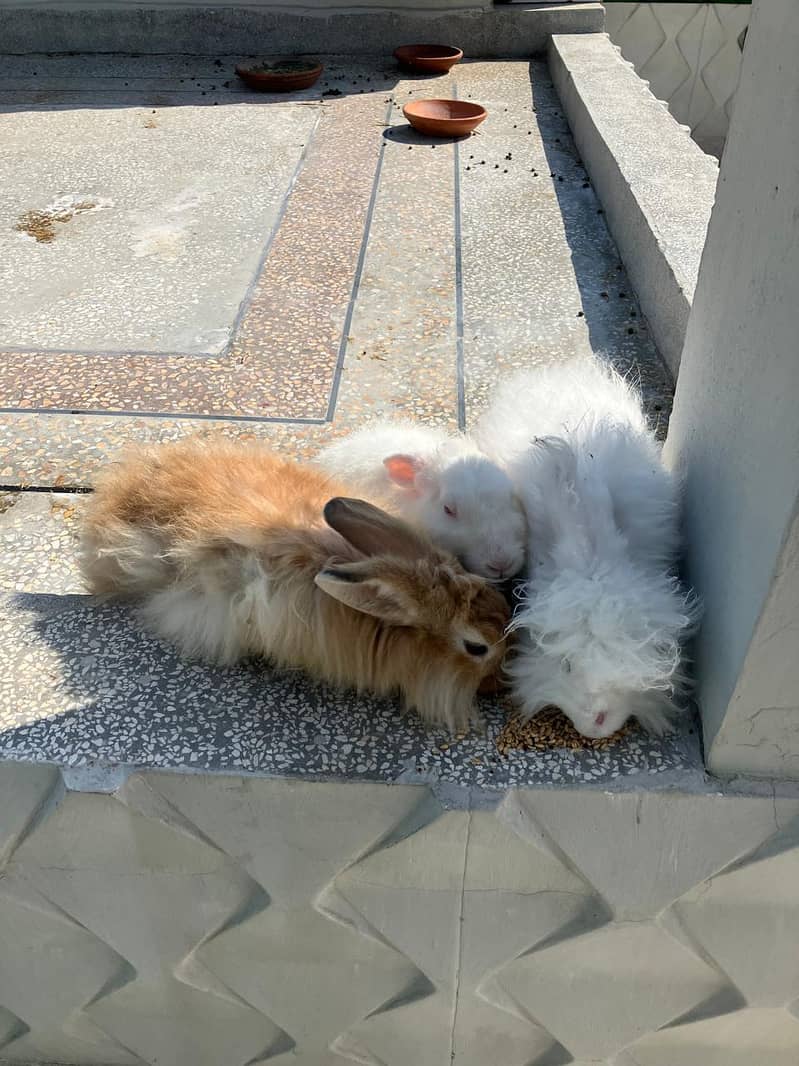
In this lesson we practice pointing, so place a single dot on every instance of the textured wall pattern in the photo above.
(691, 56)
(221, 921)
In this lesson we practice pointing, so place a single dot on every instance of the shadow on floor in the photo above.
(68, 82)
(600, 273)
(83, 684)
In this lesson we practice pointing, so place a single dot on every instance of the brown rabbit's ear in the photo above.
(358, 586)
(372, 531)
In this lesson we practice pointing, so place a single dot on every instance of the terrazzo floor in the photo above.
(393, 274)
(85, 686)
(379, 274)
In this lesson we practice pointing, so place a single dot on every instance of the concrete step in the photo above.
(478, 27)
(656, 185)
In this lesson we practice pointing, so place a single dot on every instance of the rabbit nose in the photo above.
(498, 566)
(599, 719)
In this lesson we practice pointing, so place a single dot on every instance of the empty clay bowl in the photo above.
(290, 75)
(444, 118)
(429, 58)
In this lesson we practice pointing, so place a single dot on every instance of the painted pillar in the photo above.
(735, 430)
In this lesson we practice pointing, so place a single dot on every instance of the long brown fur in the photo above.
(227, 550)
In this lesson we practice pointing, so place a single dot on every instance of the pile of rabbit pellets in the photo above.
(550, 729)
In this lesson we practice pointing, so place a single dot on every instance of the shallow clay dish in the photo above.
(430, 58)
(280, 77)
(444, 118)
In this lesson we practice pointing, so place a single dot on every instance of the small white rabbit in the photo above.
(602, 614)
(232, 551)
(442, 483)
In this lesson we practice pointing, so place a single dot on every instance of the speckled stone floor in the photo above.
(83, 685)
(375, 273)
(355, 269)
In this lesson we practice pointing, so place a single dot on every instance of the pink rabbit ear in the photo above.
(404, 469)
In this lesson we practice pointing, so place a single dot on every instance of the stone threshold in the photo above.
(481, 30)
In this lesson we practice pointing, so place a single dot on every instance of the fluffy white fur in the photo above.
(445, 484)
(602, 614)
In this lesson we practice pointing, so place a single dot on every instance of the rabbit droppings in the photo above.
(602, 615)
(232, 552)
(442, 483)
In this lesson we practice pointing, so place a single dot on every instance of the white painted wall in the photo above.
(735, 427)
(691, 57)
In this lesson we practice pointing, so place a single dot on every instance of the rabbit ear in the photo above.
(404, 469)
(372, 531)
(412, 473)
(358, 586)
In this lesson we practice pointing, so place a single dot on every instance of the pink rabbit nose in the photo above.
(599, 719)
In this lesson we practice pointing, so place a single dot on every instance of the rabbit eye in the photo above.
(475, 649)
(450, 510)
(566, 665)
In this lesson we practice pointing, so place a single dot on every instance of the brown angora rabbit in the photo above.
(227, 549)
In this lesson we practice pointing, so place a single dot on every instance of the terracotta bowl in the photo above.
(430, 58)
(290, 76)
(444, 118)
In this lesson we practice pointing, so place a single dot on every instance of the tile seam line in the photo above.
(246, 302)
(100, 353)
(459, 360)
(165, 415)
(459, 951)
(356, 280)
(77, 490)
